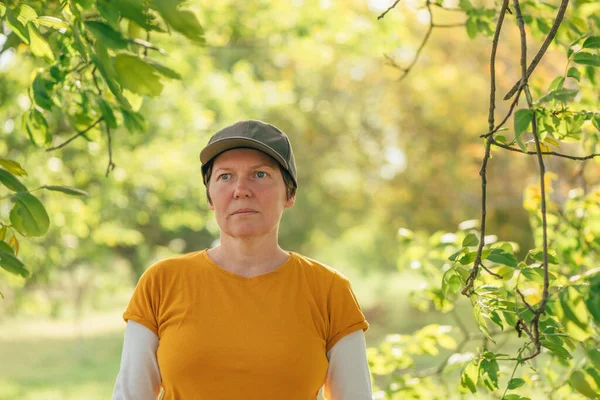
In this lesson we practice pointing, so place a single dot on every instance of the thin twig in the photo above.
(388, 10)
(147, 40)
(111, 165)
(514, 370)
(559, 17)
(510, 110)
(83, 132)
(553, 153)
(448, 25)
(525, 301)
(468, 289)
(524, 76)
(96, 81)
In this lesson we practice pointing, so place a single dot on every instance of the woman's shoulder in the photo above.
(174, 263)
(321, 269)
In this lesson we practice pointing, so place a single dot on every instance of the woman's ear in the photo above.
(290, 202)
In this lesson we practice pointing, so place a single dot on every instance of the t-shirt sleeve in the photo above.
(143, 306)
(345, 314)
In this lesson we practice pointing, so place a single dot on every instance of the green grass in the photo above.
(60, 368)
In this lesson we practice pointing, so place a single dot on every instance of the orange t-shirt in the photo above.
(223, 336)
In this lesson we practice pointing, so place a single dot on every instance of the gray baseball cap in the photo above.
(251, 134)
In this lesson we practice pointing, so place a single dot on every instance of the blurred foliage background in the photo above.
(388, 170)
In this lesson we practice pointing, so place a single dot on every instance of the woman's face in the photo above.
(248, 193)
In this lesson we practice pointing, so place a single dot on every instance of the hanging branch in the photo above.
(388, 10)
(468, 289)
(535, 326)
(516, 150)
(559, 17)
(111, 165)
(432, 25)
(83, 132)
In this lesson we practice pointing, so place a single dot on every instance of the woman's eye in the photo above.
(224, 177)
(261, 174)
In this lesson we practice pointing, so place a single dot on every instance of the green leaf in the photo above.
(470, 240)
(109, 11)
(557, 350)
(134, 121)
(103, 61)
(590, 72)
(67, 190)
(495, 317)
(593, 42)
(469, 377)
(499, 256)
(538, 255)
(455, 255)
(573, 314)
(489, 373)
(481, 323)
(108, 36)
(165, 71)
(523, 118)
(5, 246)
(40, 94)
(536, 274)
(17, 27)
(107, 113)
(11, 181)
(596, 121)
(183, 21)
(137, 75)
(26, 14)
(51, 22)
(137, 10)
(556, 84)
(468, 258)
(13, 167)
(584, 58)
(11, 263)
(78, 41)
(38, 45)
(593, 305)
(35, 126)
(471, 26)
(2, 9)
(28, 215)
(574, 73)
(584, 384)
(594, 357)
(515, 383)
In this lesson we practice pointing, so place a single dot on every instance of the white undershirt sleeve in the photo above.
(139, 375)
(348, 376)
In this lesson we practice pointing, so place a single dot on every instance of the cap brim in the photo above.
(219, 146)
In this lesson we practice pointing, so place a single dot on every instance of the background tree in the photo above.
(375, 155)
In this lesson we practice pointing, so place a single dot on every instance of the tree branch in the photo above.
(524, 76)
(111, 165)
(83, 132)
(542, 51)
(388, 10)
(468, 289)
(553, 153)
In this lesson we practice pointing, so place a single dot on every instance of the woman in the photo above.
(245, 319)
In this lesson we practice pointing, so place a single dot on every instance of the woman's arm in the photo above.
(139, 376)
(348, 376)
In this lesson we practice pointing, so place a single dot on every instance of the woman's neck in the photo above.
(248, 257)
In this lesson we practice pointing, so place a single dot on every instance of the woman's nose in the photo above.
(242, 189)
